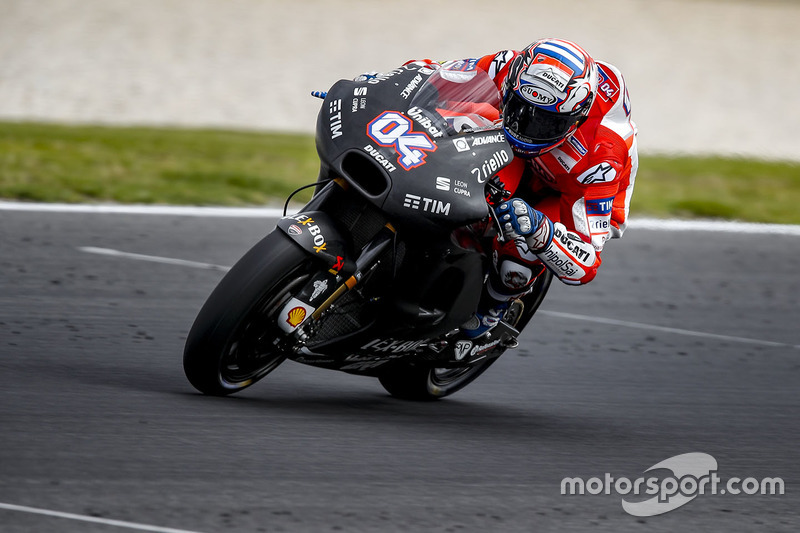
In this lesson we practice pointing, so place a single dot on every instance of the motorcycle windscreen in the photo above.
(464, 101)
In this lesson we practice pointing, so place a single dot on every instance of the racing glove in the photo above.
(568, 256)
(518, 219)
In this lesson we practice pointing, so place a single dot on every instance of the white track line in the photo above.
(152, 258)
(653, 224)
(721, 226)
(176, 210)
(93, 519)
(557, 314)
(638, 325)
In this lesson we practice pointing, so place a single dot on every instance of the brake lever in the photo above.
(496, 194)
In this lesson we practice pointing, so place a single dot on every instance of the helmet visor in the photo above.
(534, 125)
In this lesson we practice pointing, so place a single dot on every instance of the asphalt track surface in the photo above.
(97, 419)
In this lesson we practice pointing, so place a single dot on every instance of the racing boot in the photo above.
(484, 320)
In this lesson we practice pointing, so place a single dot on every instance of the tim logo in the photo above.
(394, 129)
(599, 207)
(429, 205)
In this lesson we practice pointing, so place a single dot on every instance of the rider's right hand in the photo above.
(518, 219)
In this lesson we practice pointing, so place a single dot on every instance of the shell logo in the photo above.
(296, 316)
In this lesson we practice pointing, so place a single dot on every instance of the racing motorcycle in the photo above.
(372, 276)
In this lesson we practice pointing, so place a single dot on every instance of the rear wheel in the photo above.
(235, 340)
(412, 382)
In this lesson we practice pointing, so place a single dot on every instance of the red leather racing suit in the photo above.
(583, 186)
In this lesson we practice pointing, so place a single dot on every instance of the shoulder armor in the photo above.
(610, 85)
(496, 65)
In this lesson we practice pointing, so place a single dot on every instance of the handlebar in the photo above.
(496, 195)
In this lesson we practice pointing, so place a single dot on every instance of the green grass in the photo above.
(715, 187)
(58, 163)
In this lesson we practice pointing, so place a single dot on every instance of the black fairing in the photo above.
(323, 237)
(437, 290)
(436, 188)
(398, 162)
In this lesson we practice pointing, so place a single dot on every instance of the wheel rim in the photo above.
(256, 348)
(445, 381)
(444, 377)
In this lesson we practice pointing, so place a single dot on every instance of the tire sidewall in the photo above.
(249, 282)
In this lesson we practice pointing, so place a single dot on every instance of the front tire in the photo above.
(235, 341)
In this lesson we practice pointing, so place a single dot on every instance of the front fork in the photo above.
(366, 262)
(301, 311)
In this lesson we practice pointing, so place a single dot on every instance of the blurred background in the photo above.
(705, 77)
(689, 342)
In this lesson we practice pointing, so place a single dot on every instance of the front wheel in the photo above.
(411, 382)
(235, 340)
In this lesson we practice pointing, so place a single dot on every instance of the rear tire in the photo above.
(411, 382)
(235, 341)
(421, 383)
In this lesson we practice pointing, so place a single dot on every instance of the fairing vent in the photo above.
(365, 173)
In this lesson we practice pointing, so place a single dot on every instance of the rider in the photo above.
(568, 120)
